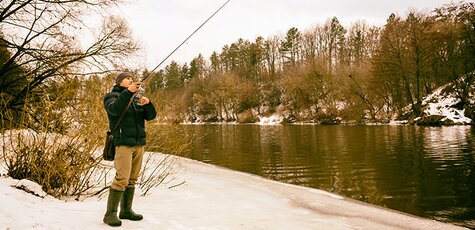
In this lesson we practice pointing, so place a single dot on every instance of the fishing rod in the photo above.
(196, 30)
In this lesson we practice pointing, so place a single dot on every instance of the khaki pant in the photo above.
(127, 163)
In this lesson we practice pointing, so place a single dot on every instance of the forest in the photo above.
(324, 74)
(328, 73)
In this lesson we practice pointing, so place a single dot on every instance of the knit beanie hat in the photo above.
(121, 76)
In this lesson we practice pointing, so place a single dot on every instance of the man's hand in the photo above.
(144, 100)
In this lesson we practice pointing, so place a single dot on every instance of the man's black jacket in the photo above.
(131, 131)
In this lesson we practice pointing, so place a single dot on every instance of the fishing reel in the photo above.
(140, 92)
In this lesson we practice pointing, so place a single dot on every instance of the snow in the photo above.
(211, 198)
(440, 104)
(30, 187)
(436, 103)
(271, 120)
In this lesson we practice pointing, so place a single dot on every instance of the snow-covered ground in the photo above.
(211, 198)
(439, 104)
(271, 120)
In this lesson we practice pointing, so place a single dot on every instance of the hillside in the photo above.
(442, 107)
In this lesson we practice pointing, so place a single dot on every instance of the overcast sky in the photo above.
(161, 25)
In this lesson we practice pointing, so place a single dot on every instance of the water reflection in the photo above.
(426, 171)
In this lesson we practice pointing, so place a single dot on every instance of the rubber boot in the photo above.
(110, 217)
(126, 211)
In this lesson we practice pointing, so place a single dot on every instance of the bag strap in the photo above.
(123, 114)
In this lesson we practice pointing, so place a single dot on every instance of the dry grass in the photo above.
(66, 161)
(169, 139)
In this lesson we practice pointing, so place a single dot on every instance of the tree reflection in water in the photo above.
(425, 171)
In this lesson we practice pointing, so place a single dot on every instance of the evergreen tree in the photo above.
(290, 46)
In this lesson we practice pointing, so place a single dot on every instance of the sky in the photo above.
(161, 25)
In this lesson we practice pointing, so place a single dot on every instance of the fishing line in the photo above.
(196, 30)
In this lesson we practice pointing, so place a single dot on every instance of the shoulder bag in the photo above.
(108, 153)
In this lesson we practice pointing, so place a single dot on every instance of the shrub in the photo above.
(158, 169)
(67, 161)
(58, 163)
(54, 142)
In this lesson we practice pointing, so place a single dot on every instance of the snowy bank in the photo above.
(443, 105)
(211, 198)
(271, 120)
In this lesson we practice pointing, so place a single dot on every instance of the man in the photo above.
(129, 141)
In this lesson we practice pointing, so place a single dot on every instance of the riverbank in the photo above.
(210, 198)
(438, 108)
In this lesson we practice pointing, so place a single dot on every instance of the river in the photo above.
(425, 171)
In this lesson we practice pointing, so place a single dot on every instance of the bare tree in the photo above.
(42, 44)
(309, 45)
(361, 41)
(272, 46)
(405, 59)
